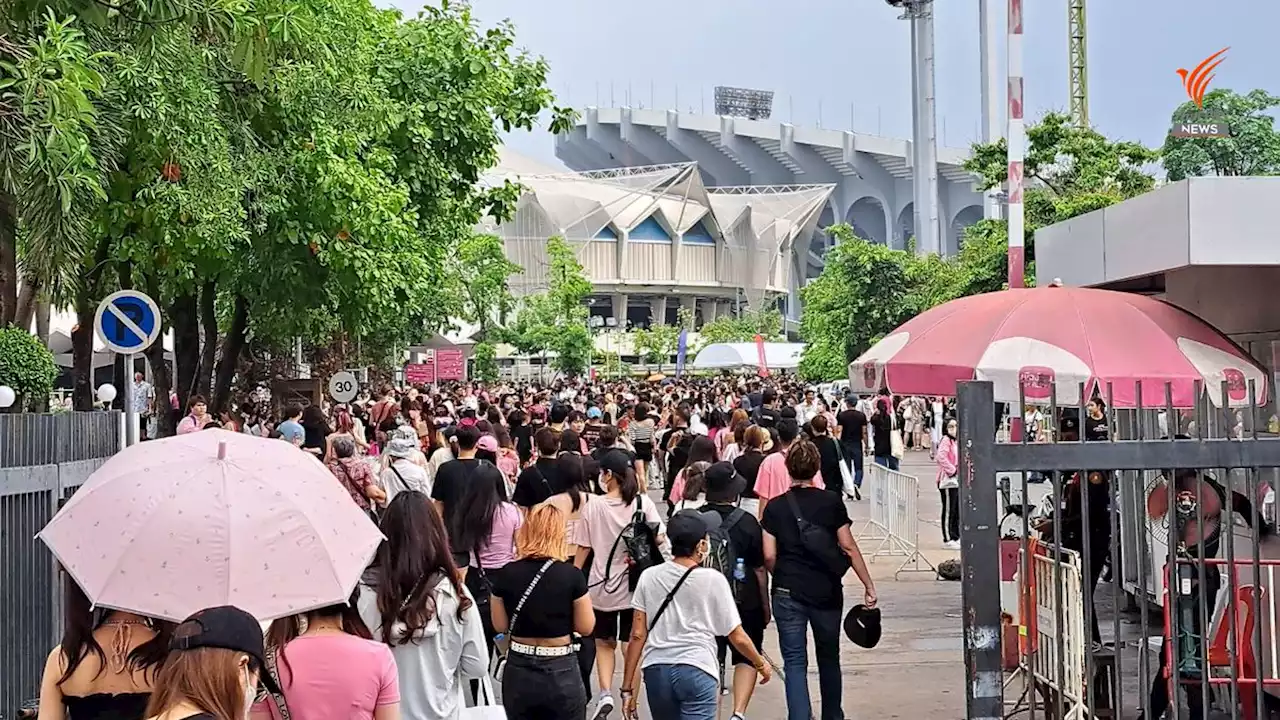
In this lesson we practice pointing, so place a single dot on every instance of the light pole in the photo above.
(7, 397)
(924, 135)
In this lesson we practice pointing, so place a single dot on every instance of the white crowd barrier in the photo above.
(893, 518)
(1052, 634)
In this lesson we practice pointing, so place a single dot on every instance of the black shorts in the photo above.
(644, 451)
(613, 624)
(753, 625)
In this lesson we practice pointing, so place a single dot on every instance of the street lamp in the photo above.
(7, 397)
(106, 393)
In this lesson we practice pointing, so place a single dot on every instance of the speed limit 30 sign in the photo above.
(343, 387)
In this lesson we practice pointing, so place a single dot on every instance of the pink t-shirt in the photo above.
(602, 521)
(336, 677)
(500, 548)
(774, 480)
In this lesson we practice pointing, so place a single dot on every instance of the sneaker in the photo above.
(737, 716)
(857, 493)
(951, 544)
(604, 707)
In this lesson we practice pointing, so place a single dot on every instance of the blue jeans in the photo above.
(888, 461)
(793, 620)
(681, 692)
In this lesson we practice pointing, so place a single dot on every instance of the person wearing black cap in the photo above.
(215, 664)
(680, 609)
(740, 531)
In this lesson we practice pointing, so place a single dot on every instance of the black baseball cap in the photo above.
(687, 528)
(724, 484)
(227, 628)
(862, 625)
(616, 461)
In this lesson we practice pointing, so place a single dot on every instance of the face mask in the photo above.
(250, 692)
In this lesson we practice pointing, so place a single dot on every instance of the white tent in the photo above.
(778, 356)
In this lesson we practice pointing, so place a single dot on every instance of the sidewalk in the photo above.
(917, 670)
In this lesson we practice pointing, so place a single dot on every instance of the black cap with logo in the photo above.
(227, 628)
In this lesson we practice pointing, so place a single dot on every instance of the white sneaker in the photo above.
(951, 544)
(604, 707)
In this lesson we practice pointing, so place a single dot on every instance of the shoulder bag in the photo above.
(818, 541)
(277, 699)
(500, 645)
(667, 600)
(896, 447)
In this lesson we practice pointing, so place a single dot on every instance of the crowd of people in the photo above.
(524, 545)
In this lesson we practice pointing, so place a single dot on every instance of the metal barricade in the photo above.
(894, 518)
(43, 459)
(1051, 627)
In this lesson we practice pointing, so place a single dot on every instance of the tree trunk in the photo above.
(8, 259)
(186, 344)
(237, 335)
(82, 352)
(44, 313)
(209, 338)
(161, 376)
(26, 307)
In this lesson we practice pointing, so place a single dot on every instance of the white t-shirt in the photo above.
(702, 610)
(599, 526)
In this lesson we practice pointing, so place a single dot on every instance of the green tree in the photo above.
(27, 367)
(484, 362)
(860, 295)
(1252, 149)
(480, 272)
(764, 321)
(555, 321)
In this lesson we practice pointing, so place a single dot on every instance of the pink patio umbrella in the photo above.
(168, 527)
(1056, 338)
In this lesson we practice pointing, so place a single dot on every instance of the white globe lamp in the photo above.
(106, 393)
(7, 397)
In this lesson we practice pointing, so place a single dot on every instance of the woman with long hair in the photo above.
(754, 441)
(693, 494)
(576, 473)
(599, 540)
(106, 664)
(316, 429)
(484, 529)
(728, 444)
(640, 435)
(213, 669)
(413, 601)
(701, 450)
(946, 455)
(344, 426)
(540, 602)
(328, 667)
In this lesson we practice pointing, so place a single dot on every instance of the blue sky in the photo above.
(846, 63)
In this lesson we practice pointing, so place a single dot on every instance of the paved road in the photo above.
(917, 670)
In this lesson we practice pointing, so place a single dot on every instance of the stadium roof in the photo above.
(760, 222)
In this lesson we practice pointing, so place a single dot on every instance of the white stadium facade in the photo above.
(712, 212)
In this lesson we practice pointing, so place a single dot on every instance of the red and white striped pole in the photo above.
(1016, 141)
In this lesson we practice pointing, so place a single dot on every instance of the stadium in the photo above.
(710, 212)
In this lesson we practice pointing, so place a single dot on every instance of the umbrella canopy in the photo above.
(1056, 338)
(168, 527)
(778, 356)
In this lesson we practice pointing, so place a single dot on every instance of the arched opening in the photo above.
(967, 216)
(906, 227)
(866, 217)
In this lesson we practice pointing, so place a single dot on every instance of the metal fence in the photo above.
(43, 459)
(1143, 582)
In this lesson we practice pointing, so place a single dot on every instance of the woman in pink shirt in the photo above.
(484, 531)
(773, 479)
(197, 415)
(948, 461)
(328, 667)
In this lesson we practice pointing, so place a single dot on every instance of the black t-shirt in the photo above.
(591, 434)
(536, 484)
(796, 569)
(548, 613)
(830, 455)
(767, 417)
(748, 466)
(1096, 429)
(748, 541)
(853, 427)
(677, 441)
(451, 484)
(881, 427)
(522, 436)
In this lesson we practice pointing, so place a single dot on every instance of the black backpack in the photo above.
(639, 540)
(723, 555)
(820, 543)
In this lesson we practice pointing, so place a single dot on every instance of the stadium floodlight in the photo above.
(744, 102)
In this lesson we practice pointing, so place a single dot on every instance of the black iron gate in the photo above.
(1067, 609)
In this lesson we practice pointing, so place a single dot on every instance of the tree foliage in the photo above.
(1252, 149)
(480, 275)
(26, 366)
(763, 321)
(867, 290)
(484, 362)
(555, 321)
(265, 170)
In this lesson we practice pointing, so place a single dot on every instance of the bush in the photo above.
(484, 362)
(26, 366)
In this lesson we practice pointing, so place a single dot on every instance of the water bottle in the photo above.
(740, 570)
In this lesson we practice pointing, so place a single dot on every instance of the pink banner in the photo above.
(420, 373)
(764, 363)
(451, 365)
